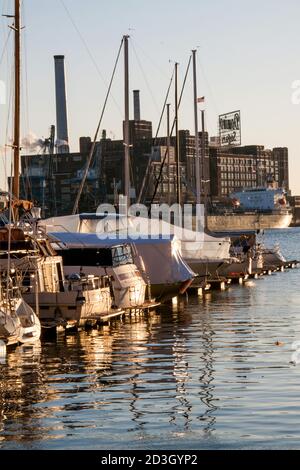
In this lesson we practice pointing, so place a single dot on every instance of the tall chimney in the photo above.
(61, 105)
(137, 105)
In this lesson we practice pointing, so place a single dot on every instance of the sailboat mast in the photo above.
(126, 124)
(197, 153)
(177, 138)
(203, 173)
(168, 149)
(16, 144)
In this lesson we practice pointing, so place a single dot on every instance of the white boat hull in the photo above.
(73, 307)
(232, 222)
(19, 326)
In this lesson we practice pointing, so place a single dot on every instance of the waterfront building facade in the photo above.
(54, 180)
(233, 169)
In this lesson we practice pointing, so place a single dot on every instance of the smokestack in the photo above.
(137, 105)
(85, 145)
(61, 105)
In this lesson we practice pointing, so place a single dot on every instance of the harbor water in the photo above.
(207, 373)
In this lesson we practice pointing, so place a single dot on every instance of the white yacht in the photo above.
(74, 301)
(159, 262)
(157, 258)
(84, 255)
(18, 322)
(184, 254)
(81, 302)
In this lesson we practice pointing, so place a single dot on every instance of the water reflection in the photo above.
(191, 374)
(144, 367)
(22, 385)
(206, 378)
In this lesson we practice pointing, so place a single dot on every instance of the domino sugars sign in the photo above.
(230, 129)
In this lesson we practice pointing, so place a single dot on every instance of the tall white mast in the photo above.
(16, 143)
(168, 150)
(178, 176)
(197, 150)
(126, 124)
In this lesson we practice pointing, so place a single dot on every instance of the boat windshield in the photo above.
(122, 255)
(102, 257)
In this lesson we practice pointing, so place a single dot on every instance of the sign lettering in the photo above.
(230, 129)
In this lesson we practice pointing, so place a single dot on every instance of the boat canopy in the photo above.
(159, 258)
(193, 244)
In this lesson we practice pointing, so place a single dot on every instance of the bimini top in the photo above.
(161, 257)
(92, 240)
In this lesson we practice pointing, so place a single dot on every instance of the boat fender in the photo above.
(2, 350)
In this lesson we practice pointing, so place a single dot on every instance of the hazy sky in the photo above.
(248, 59)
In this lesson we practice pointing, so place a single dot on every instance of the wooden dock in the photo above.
(222, 283)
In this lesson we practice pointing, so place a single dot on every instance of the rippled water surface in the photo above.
(202, 375)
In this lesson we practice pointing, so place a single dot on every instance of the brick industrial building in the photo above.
(53, 178)
(245, 167)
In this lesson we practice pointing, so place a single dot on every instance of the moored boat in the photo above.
(76, 300)
(83, 254)
(154, 267)
(82, 301)
(18, 322)
(157, 258)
